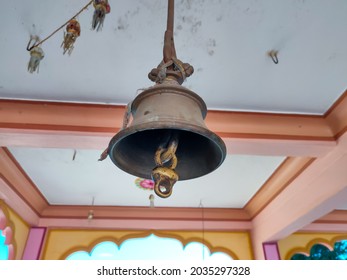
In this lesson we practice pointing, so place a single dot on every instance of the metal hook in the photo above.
(90, 215)
(151, 201)
(34, 39)
(273, 55)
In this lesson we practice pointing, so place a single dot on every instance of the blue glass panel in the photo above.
(341, 250)
(3, 247)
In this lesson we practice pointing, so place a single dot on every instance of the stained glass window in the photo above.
(149, 248)
(321, 252)
(3, 247)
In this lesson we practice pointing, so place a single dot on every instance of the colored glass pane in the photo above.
(321, 252)
(3, 247)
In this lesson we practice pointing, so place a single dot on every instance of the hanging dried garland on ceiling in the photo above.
(73, 30)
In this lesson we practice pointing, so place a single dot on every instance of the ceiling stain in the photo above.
(211, 46)
(122, 24)
(123, 21)
(193, 23)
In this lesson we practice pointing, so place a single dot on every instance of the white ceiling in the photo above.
(75, 180)
(226, 41)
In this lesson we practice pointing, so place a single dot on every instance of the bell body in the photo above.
(158, 112)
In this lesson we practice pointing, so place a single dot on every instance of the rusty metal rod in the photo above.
(169, 45)
(170, 15)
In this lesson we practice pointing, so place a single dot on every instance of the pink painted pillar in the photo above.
(34, 243)
(271, 251)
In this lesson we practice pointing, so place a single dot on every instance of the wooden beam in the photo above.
(15, 179)
(321, 188)
(286, 173)
(140, 224)
(161, 213)
(55, 116)
(90, 126)
(336, 116)
(145, 218)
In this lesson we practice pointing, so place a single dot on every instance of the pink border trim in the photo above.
(34, 243)
(271, 251)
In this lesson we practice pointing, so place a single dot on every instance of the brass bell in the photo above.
(167, 139)
(161, 110)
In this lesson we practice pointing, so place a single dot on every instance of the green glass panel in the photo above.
(321, 252)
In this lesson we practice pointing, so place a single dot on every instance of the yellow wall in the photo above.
(302, 242)
(20, 230)
(62, 242)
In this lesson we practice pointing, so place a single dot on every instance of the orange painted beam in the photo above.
(145, 218)
(336, 116)
(60, 116)
(54, 116)
(146, 213)
(94, 118)
(43, 138)
(90, 126)
(268, 125)
(144, 224)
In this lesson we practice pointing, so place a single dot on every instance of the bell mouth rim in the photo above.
(157, 125)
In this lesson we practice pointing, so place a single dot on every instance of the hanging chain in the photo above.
(164, 174)
(167, 151)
